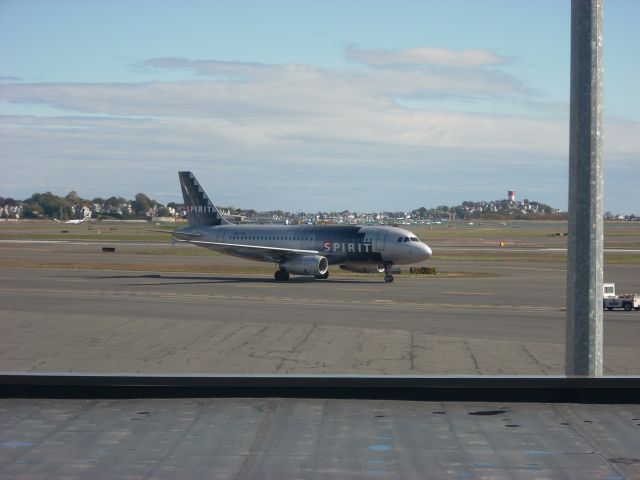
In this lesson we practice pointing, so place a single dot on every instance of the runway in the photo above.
(151, 308)
(448, 248)
(483, 318)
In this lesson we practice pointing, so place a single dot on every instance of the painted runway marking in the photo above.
(97, 241)
(518, 268)
(527, 249)
(469, 293)
(279, 301)
(32, 249)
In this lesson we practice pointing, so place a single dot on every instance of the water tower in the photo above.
(511, 195)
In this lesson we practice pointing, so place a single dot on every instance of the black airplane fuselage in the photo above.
(338, 243)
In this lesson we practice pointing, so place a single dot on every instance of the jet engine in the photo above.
(363, 267)
(307, 265)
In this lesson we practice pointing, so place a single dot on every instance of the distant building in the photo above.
(511, 195)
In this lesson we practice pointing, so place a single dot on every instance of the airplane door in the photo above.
(380, 240)
(368, 240)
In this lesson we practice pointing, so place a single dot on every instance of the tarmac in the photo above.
(141, 310)
(484, 318)
(284, 438)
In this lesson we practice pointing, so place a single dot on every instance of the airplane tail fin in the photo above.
(200, 209)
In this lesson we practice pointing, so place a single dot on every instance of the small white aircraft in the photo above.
(76, 221)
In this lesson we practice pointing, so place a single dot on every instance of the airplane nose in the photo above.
(427, 250)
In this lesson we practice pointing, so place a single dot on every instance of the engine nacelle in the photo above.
(363, 267)
(307, 265)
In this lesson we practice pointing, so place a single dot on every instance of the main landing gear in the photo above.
(388, 278)
(281, 276)
(323, 276)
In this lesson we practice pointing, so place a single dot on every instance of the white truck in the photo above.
(626, 301)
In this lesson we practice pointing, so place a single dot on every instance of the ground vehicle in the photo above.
(626, 301)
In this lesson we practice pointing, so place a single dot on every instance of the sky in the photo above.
(308, 105)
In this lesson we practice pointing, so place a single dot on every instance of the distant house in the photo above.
(11, 212)
(127, 209)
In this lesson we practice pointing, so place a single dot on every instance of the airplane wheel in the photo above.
(323, 276)
(388, 278)
(281, 276)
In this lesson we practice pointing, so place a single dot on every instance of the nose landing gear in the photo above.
(388, 278)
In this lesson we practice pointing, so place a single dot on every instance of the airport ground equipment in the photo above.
(625, 301)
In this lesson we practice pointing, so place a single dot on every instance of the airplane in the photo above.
(78, 221)
(297, 249)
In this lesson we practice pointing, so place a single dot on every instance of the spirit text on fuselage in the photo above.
(346, 247)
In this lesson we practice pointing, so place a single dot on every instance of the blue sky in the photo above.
(361, 105)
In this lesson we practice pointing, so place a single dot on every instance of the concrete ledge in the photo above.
(551, 389)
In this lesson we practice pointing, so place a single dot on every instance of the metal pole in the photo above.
(585, 241)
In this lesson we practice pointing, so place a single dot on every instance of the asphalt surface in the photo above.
(489, 318)
(233, 438)
(138, 311)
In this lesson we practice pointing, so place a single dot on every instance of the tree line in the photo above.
(494, 210)
(49, 205)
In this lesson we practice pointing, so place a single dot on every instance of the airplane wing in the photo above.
(274, 254)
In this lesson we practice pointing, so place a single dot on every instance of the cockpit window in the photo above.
(399, 239)
(414, 239)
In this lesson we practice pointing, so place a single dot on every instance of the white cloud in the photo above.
(426, 57)
(314, 108)
(268, 124)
